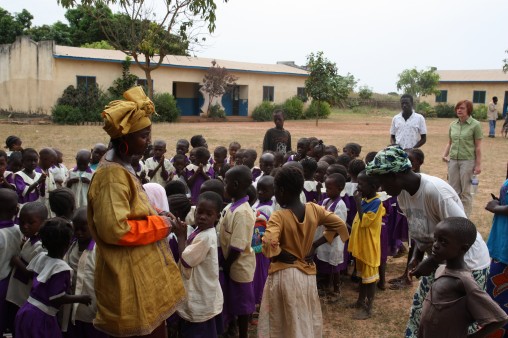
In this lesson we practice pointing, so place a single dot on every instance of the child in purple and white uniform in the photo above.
(233, 148)
(47, 158)
(266, 164)
(310, 185)
(182, 148)
(159, 169)
(81, 258)
(59, 170)
(78, 179)
(6, 177)
(249, 158)
(264, 208)
(198, 172)
(27, 181)
(330, 256)
(302, 148)
(51, 280)
(235, 236)
(220, 167)
(10, 245)
(31, 217)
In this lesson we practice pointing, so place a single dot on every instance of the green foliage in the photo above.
(263, 112)
(85, 23)
(293, 108)
(216, 111)
(426, 109)
(480, 112)
(63, 113)
(165, 106)
(444, 110)
(418, 83)
(59, 32)
(126, 81)
(365, 93)
(393, 94)
(103, 44)
(12, 26)
(324, 83)
(318, 108)
(87, 103)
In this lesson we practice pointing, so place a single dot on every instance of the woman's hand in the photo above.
(477, 169)
(492, 205)
(180, 230)
(446, 158)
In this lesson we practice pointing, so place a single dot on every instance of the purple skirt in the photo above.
(343, 266)
(84, 330)
(240, 298)
(260, 276)
(326, 268)
(210, 328)
(32, 322)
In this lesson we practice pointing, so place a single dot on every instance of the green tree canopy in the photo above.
(324, 84)
(419, 83)
(13, 25)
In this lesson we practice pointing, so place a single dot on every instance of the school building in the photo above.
(478, 86)
(33, 75)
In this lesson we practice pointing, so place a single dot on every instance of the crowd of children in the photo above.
(249, 240)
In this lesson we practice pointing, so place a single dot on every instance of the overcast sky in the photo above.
(371, 39)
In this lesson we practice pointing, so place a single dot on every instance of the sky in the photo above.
(371, 39)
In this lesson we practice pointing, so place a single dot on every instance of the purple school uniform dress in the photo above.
(256, 172)
(263, 212)
(52, 279)
(310, 191)
(22, 182)
(196, 187)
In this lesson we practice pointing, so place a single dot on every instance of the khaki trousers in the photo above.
(460, 173)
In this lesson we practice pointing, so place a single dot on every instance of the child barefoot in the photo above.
(364, 243)
(31, 217)
(455, 300)
(200, 271)
(10, 245)
(235, 235)
(52, 279)
(290, 305)
(79, 178)
(160, 170)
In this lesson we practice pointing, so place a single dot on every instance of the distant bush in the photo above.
(88, 103)
(444, 110)
(216, 111)
(480, 112)
(323, 108)
(166, 108)
(65, 114)
(293, 107)
(426, 109)
(365, 93)
(263, 112)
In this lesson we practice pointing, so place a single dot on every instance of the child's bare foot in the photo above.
(356, 305)
(362, 314)
(381, 286)
(397, 279)
(402, 284)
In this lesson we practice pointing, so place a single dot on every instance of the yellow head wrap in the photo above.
(125, 117)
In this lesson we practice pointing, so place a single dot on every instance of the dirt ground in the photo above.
(371, 130)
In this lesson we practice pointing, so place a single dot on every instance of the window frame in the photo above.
(267, 90)
(87, 79)
(477, 96)
(440, 98)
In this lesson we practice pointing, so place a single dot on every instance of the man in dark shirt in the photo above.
(277, 139)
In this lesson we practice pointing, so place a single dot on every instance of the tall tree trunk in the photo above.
(317, 112)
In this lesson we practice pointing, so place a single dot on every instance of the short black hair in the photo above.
(215, 185)
(463, 228)
(202, 152)
(407, 96)
(265, 179)
(418, 154)
(343, 159)
(242, 174)
(28, 151)
(175, 187)
(370, 156)
(333, 149)
(309, 164)
(371, 179)
(11, 140)
(290, 177)
(253, 194)
(179, 205)
(179, 157)
(337, 169)
(80, 215)
(37, 208)
(197, 141)
(8, 202)
(235, 144)
(182, 141)
(213, 197)
(355, 167)
(328, 159)
(56, 234)
(221, 150)
(494, 98)
(354, 147)
(4, 155)
(279, 111)
(304, 140)
(338, 179)
(62, 201)
(251, 153)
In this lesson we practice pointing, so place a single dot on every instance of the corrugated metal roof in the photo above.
(484, 75)
(103, 55)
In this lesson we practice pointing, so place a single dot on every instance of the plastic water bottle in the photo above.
(474, 184)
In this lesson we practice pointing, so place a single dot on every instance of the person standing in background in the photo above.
(492, 115)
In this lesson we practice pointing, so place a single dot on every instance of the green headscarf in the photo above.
(392, 159)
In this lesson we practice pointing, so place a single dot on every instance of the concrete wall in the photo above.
(32, 79)
(458, 91)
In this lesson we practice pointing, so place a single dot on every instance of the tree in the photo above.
(505, 63)
(83, 25)
(324, 83)
(217, 82)
(126, 81)
(419, 83)
(103, 44)
(365, 93)
(147, 36)
(59, 32)
(12, 26)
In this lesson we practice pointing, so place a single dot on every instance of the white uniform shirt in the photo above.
(332, 253)
(79, 188)
(408, 132)
(10, 245)
(434, 201)
(151, 164)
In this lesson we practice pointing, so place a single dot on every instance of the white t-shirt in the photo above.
(408, 132)
(151, 164)
(434, 201)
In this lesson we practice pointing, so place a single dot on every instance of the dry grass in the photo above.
(370, 130)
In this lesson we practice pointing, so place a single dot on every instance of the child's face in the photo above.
(182, 148)
(278, 119)
(46, 161)
(81, 232)
(239, 158)
(206, 214)
(192, 156)
(203, 160)
(233, 150)
(249, 160)
(3, 165)
(349, 152)
(365, 188)
(82, 162)
(97, 154)
(320, 173)
(30, 161)
(302, 148)
(179, 165)
(159, 149)
(415, 164)
(265, 191)
(446, 246)
(266, 164)
(59, 158)
(219, 157)
(29, 223)
(230, 186)
(203, 143)
(332, 189)
(15, 165)
(17, 146)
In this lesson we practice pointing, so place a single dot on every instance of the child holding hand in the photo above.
(199, 266)
(198, 171)
(28, 182)
(455, 301)
(160, 170)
